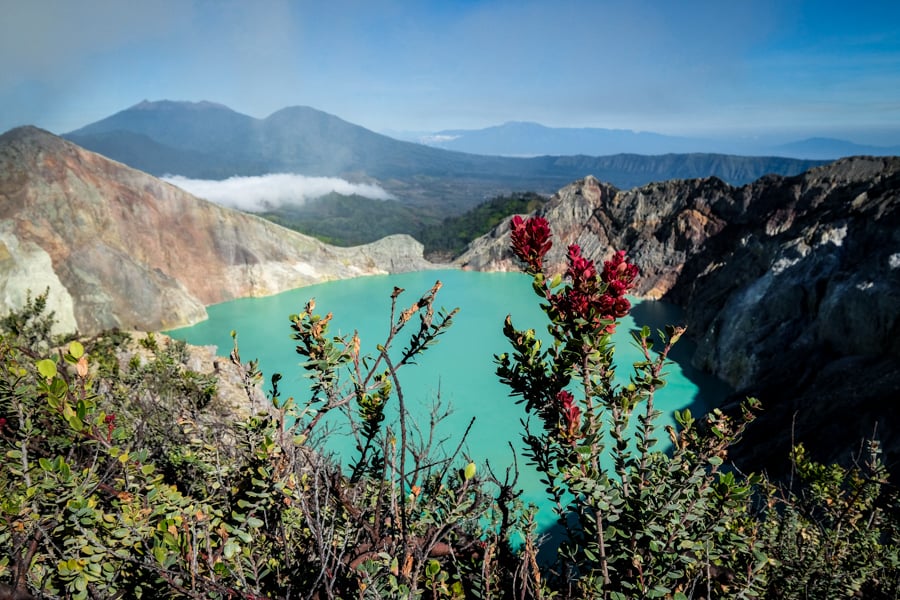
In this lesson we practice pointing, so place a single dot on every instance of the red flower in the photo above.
(2, 423)
(531, 241)
(618, 274)
(581, 271)
(571, 415)
(621, 307)
(616, 288)
(606, 304)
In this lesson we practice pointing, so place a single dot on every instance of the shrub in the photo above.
(638, 521)
(833, 531)
(31, 326)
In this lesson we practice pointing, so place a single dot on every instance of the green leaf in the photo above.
(254, 522)
(432, 568)
(230, 549)
(76, 349)
(58, 387)
(47, 368)
(74, 422)
(243, 536)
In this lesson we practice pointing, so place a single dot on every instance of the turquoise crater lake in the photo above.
(460, 369)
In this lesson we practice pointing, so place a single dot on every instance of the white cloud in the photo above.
(275, 190)
(437, 139)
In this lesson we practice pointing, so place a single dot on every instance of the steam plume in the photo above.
(266, 192)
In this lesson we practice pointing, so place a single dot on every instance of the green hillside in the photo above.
(352, 220)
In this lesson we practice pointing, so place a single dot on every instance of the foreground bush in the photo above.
(105, 494)
(113, 484)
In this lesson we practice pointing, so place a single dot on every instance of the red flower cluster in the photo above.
(589, 299)
(2, 423)
(571, 416)
(618, 275)
(589, 304)
(531, 241)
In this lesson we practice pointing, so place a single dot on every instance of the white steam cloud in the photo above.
(266, 192)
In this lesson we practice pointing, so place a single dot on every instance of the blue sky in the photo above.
(750, 68)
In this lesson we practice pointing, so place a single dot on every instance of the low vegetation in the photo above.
(448, 239)
(353, 220)
(113, 485)
(350, 220)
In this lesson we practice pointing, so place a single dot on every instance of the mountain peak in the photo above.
(25, 132)
(298, 108)
(305, 113)
(31, 136)
(532, 124)
(178, 105)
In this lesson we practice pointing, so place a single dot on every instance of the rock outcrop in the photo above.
(119, 248)
(231, 403)
(791, 288)
(660, 225)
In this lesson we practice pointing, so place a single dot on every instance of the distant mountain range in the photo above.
(518, 138)
(211, 141)
(820, 147)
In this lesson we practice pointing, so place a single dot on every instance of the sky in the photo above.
(750, 69)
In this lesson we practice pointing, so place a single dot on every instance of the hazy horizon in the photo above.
(699, 69)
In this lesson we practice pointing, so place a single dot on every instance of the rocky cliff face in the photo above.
(660, 225)
(791, 287)
(119, 248)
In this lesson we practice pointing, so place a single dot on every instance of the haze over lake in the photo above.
(460, 369)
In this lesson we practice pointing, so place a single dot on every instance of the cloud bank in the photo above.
(267, 192)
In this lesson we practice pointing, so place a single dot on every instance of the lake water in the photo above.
(460, 368)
